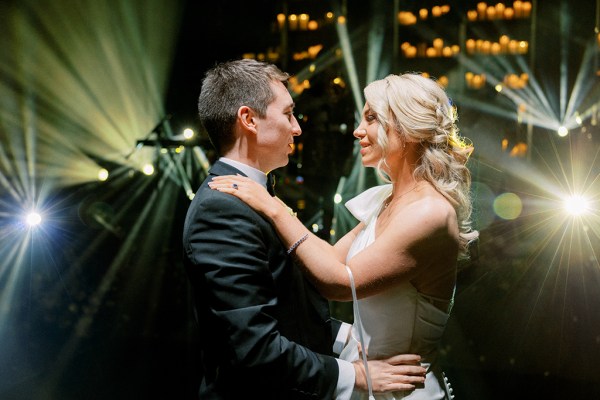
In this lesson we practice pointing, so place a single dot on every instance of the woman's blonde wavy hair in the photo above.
(418, 109)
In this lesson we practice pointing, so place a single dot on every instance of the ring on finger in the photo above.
(235, 186)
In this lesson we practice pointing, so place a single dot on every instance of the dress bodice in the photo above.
(399, 320)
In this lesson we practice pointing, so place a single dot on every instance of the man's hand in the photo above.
(401, 372)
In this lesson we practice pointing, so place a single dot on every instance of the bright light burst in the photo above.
(33, 218)
(96, 93)
(562, 131)
(79, 85)
(576, 205)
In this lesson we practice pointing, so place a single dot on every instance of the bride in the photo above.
(400, 261)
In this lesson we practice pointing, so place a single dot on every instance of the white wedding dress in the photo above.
(398, 321)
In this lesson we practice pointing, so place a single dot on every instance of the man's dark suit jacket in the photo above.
(257, 313)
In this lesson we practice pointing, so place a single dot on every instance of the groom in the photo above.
(265, 331)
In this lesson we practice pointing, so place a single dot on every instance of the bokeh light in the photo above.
(508, 206)
(103, 174)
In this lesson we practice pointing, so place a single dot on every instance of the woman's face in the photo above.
(366, 133)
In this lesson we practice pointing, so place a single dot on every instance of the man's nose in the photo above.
(296, 130)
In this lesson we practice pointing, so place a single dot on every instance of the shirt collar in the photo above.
(252, 173)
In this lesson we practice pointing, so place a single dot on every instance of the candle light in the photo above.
(504, 40)
(469, 78)
(509, 13)
(479, 45)
(408, 18)
(486, 47)
(303, 24)
(411, 52)
(500, 7)
(481, 7)
(423, 13)
(518, 6)
(523, 47)
(293, 22)
(477, 81)
(496, 48)
(526, 9)
(472, 15)
(470, 46)
(281, 20)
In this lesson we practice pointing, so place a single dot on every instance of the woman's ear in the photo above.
(247, 118)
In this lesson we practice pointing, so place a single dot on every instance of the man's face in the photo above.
(277, 129)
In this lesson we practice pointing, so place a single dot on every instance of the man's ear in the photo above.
(247, 118)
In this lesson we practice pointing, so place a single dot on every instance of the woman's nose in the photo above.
(360, 132)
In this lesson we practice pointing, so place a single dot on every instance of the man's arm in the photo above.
(225, 242)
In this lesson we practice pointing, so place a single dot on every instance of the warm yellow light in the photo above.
(576, 205)
(304, 21)
(562, 131)
(148, 169)
(102, 174)
(281, 20)
(293, 22)
(188, 133)
(339, 81)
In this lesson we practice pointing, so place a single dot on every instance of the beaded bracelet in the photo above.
(297, 243)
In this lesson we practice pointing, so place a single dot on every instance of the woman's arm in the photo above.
(391, 258)
(329, 274)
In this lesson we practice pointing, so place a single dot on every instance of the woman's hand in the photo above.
(250, 192)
